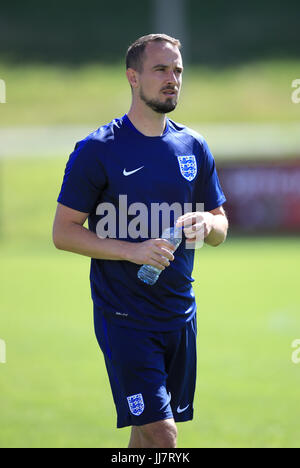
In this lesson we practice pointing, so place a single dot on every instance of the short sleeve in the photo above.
(213, 195)
(84, 177)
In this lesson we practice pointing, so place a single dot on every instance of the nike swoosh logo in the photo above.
(127, 173)
(181, 410)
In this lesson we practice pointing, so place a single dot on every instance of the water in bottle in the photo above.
(150, 274)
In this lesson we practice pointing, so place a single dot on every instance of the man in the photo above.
(147, 333)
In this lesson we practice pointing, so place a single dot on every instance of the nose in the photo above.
(172, 78)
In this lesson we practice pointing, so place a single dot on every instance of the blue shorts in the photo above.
(152, 374)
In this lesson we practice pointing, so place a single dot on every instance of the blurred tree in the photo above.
(211, 32)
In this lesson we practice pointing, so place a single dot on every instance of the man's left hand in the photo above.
(197, 225)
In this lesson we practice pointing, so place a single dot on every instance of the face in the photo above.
(159, 83)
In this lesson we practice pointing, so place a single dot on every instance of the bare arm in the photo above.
(219, 227)
(69, 234)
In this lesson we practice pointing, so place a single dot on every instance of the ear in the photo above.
(132, 76)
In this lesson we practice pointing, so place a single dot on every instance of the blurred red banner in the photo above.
(262, 196)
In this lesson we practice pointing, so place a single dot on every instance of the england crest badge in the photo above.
(136, 404)
(188, 167)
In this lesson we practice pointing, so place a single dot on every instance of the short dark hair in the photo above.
(135, 52)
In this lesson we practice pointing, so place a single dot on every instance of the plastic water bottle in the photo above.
(148, 273)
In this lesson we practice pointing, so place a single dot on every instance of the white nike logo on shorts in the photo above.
(127, 173)
(181, 410)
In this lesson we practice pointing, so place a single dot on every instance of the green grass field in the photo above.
(54, 391)
(47, 95)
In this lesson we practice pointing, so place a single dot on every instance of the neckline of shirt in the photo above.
(129, 124)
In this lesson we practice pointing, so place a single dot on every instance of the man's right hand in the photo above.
(155, 252)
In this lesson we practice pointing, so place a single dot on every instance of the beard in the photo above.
(158, 106)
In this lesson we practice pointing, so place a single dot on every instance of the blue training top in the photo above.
(116, 167)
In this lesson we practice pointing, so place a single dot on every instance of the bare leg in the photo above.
(135, 440)
(161, 434)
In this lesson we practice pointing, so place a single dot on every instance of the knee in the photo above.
(161, 434)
